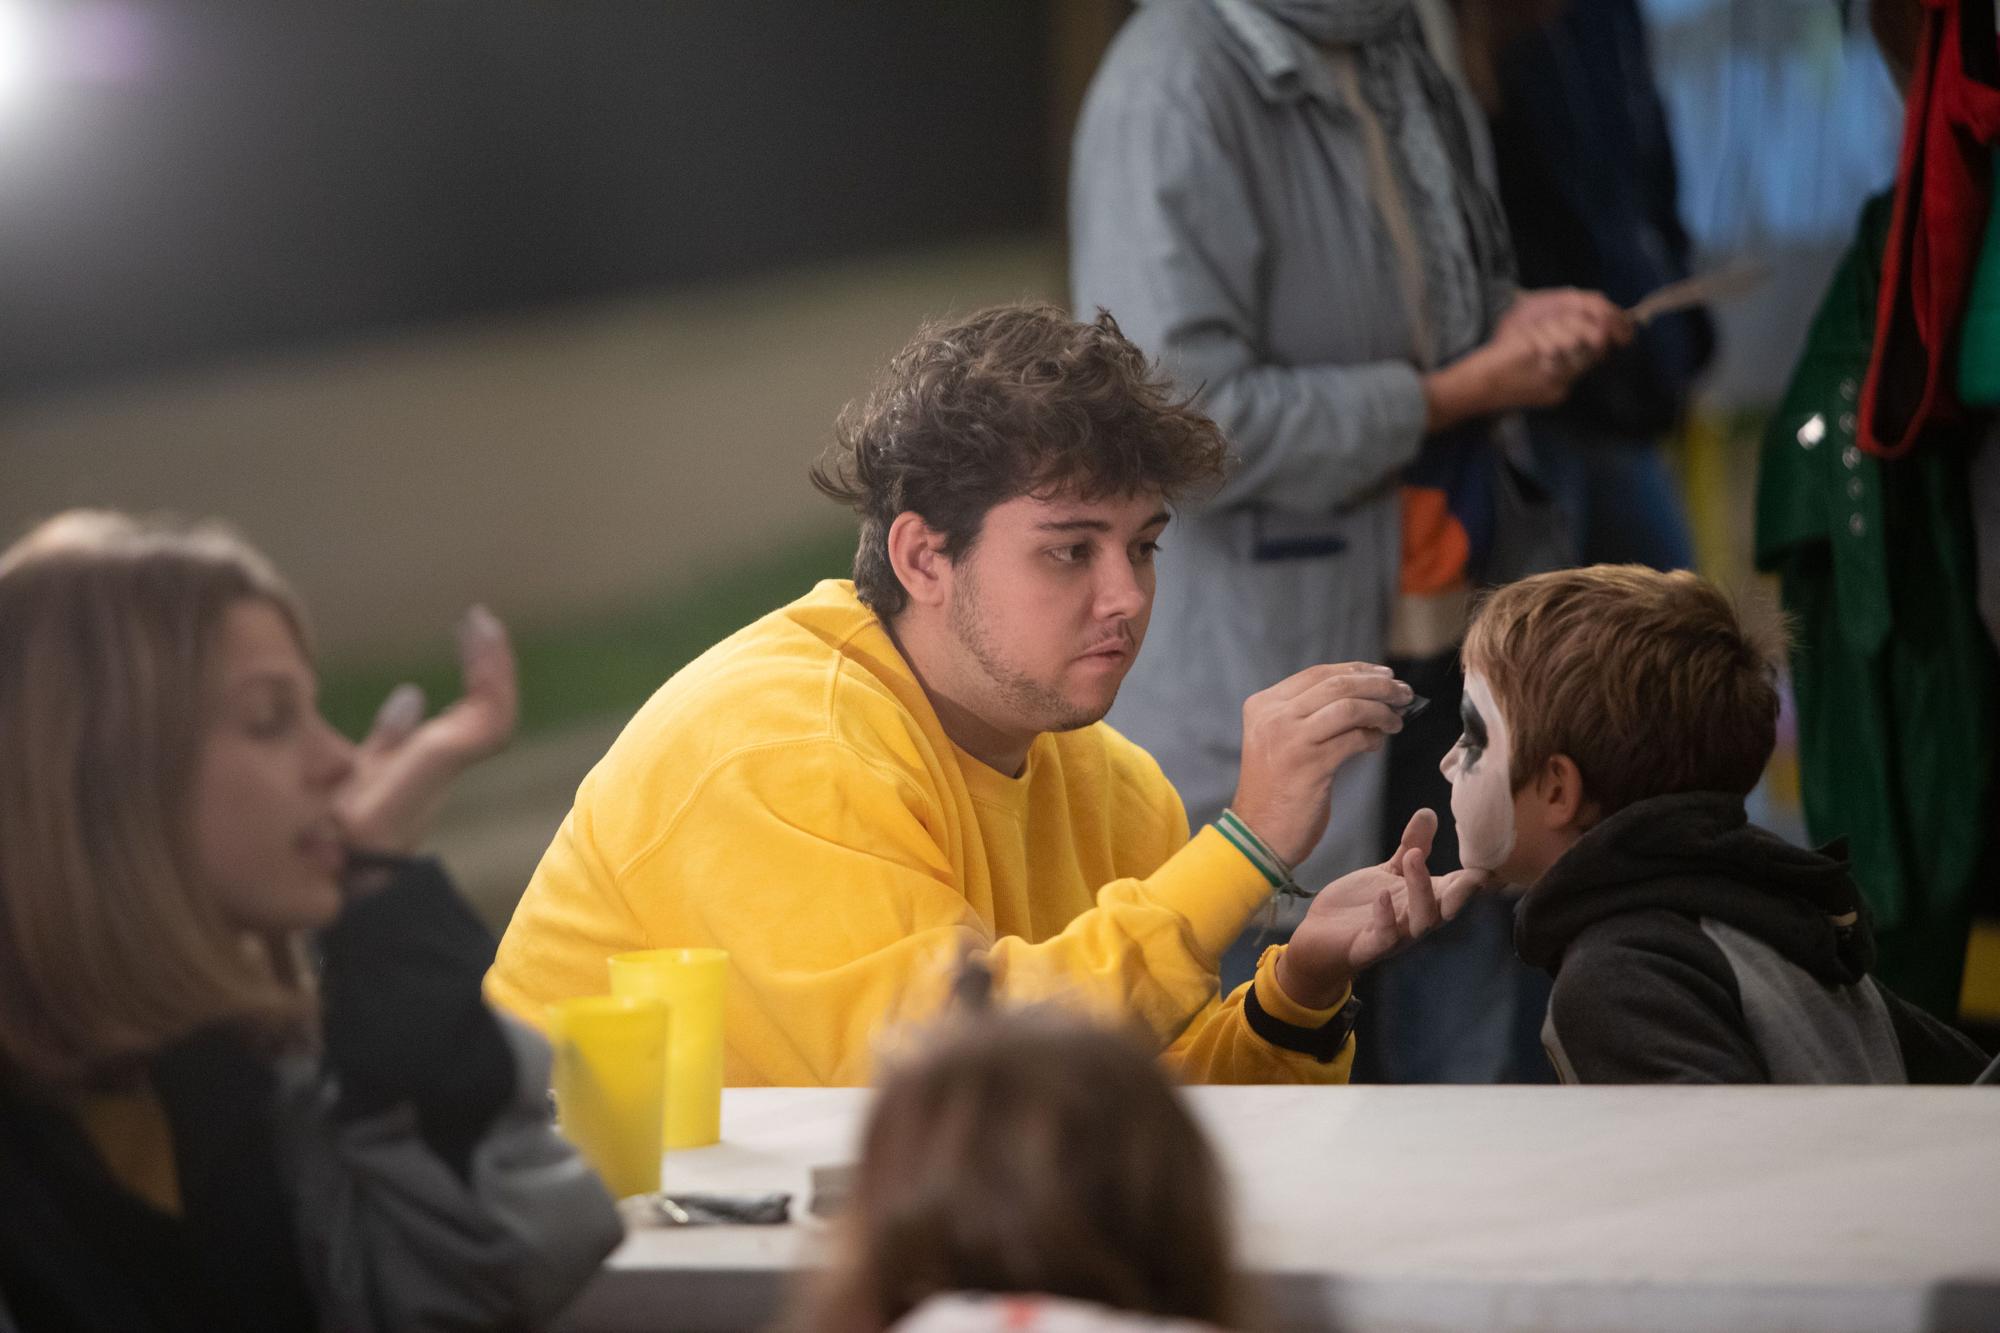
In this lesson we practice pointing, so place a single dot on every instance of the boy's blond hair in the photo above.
(1650, 682)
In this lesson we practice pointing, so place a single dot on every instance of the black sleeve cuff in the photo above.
(1323, 1043)
(404, 1018)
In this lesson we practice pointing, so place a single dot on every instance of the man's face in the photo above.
(1482, 787)
(1049, 606)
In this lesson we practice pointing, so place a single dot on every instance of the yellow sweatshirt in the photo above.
(790, 796)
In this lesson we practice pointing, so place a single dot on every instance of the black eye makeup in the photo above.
(1474, 739)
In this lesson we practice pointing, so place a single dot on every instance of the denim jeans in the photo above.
(1458, 1006)
(1621, 501)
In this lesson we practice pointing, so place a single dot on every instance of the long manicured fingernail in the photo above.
(403, 709)
(479, 626)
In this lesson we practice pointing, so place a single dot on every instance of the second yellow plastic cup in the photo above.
(691, 982)
(610, 1084)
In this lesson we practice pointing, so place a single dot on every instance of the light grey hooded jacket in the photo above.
(1221, 208)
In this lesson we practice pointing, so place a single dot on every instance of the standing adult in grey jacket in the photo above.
(1283, 200)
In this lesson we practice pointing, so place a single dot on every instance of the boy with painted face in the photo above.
(1615, 719)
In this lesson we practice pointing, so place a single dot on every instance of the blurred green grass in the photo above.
(605, 665)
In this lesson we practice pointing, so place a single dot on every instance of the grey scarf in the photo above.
(1338, 22)
(1461, 234)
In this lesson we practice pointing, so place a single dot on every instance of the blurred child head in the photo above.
(1031, 1152)
(165, 795)
(1590, 689)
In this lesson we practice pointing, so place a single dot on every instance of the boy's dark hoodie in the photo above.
(1690, 946)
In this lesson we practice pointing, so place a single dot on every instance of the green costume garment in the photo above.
(1893, 674)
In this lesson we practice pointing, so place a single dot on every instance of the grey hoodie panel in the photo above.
(1552, 1046)
(394, 1241)
(1807, 1031)
(1221, 209)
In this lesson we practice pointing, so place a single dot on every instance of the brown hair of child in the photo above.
(1031, 1152)
(1650, 682)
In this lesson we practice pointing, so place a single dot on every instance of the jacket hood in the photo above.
(1698, 854)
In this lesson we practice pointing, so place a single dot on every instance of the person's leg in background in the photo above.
(1633, 513)
(1458, 1007)
(1619, 496)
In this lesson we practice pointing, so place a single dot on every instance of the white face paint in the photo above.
(1482, 787)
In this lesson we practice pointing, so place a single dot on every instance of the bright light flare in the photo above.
(22, 56)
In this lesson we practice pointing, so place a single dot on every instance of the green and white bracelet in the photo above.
(1269, 864)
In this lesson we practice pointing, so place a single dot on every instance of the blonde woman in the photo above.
(246, 1076)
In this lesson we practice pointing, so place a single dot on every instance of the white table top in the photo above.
(1497, 1208)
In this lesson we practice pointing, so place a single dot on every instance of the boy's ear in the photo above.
(916, 554)
(1559, 798)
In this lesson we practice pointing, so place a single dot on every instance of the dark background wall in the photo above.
(199, 178)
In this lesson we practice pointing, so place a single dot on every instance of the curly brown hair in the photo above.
(1014, 400)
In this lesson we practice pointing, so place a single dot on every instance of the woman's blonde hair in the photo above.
(109, 949)
(1030, 1151)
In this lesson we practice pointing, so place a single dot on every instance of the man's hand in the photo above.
(406, 765)
(1296, 734)
(1361, 917)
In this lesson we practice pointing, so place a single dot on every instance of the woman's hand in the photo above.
(1598, 324)
(404, 768)
(1544, 341)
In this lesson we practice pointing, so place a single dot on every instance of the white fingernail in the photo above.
(479, 625)
(404, 707)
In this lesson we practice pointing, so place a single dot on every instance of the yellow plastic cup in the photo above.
(691, 982)
(610, 1083)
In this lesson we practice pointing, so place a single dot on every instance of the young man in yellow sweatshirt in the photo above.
(854, 789)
